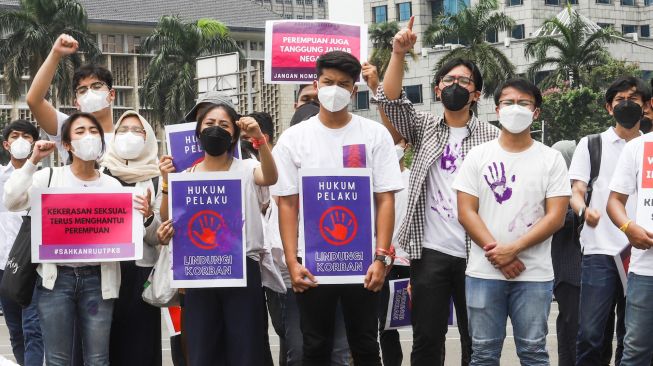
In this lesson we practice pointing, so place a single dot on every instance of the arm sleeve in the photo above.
(624, 179)
(558, 185)
(580, 166)
(16, 197)
(385, 166)
(288, 181)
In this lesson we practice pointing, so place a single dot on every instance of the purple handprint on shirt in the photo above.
(449, 157)
(499, 185)
(443, 206)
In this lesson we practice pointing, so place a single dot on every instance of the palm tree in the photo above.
(169, 87)
(29, 33)
(381, 35)
(569, 44)
(470, 27)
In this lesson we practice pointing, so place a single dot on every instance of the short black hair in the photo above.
(203, 110)
(21, 125)
(264, 120)
(450, 65)
(624, 83)
(523, 86)
(66, 136)
(339, 60)
(299, 91)
(89, 70)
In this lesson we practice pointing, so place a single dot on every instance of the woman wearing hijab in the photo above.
(132, 159)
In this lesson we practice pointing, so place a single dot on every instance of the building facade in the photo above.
(627, 16)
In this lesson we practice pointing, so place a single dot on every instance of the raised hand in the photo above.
(65, 45)
(42, 148)
(405, 39)
(143, 204)
(166, 166)
(498, 182)
(250, 127)
(371, 76)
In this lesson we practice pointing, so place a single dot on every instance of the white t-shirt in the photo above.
(442, 231)
(401, 206)
(10, 222)
(362, 143)
(72, 181)
(512, 189)
(63, 154)
(625, 180)
(605, 238)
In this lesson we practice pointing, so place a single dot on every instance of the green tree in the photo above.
(601, 76)
(570, 114)
(28, 35)
(170, 88)
(568, 48)
(470, 26)
(381, 35)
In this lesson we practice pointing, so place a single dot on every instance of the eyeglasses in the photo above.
(522, 103)
(124, 129)
(98, 85)
(463, 81)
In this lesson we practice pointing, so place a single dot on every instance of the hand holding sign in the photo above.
(65, 45)
(639, 237)
(300, 277)
(405, 39)
(42, 149)
(165, 166)
(165, 232)
(371, 76)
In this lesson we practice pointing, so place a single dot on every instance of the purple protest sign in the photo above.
(338, 223)
(208, 247)
(399, 305)
(184, 147)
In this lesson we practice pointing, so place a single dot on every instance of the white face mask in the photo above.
(515, 118)
(333, 97)
(129, 145)
(400, 151)
(20, 148)
(88, 148)
(93, 100)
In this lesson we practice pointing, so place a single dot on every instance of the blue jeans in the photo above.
(24, 330)
(638, 343)
(600, 288)
(76, 297)
(491, 302)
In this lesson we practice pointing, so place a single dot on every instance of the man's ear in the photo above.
(536, 113)
(608, 107)
(5, 144)
(355, 90)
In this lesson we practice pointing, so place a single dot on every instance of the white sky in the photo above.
(348, 11)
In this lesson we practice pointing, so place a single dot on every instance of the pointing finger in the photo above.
(410, 23)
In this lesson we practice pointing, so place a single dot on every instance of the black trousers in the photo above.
(389, 339)
(136, 325)
(317, 307)
(568, 297)
(435, 279)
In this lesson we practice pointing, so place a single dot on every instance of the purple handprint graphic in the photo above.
(528, 215)
(449, 157)
(498, 184)
(443, 206)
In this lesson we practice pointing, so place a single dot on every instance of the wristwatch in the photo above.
(581, 213)
(385, 259)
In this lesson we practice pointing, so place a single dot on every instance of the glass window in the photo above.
(572, 2)
(645, 31)
(134, 44)
(648, 2)
(628, 28)
(380, 14)
(628, 2)
(437, 8)
(492, 36)
(514, 2)
(404, 11)
(552, 2)
(363, 100)
(299, 2)
(414, 93)
(518, 32)
(320, 3)
(112, 43)
(603, 1)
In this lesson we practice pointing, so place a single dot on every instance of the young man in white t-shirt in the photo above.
(624, 186)
(94, 93)
(325, 141)
(513, 194)
(601, 286)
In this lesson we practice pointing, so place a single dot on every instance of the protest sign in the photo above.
(172, 316)
(645, 185)
(208, 247)
(622, 260)
(185, 148)
(337, 218)
(399, 305)
(293, 46)
(85, 225)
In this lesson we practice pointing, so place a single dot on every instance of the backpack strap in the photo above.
(594, 146)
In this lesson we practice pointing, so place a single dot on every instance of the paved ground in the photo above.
(508, 357)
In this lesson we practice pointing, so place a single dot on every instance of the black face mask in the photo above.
(455, 97)
(215, 140)
(645, 125)
(627, 113)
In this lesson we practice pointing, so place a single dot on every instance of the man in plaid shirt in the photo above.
(430, 232)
